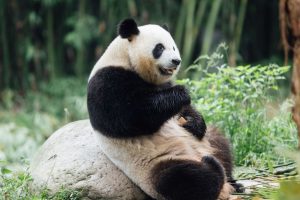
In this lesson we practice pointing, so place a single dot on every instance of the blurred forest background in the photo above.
(46, 39)
(232, 56)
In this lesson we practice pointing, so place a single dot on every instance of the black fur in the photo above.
(183, 179)
(121, 104)
(223, 154)
(223, 149)
(149, 198)
(165, 26)
(195, 123)
(158, 50)
(238, 187)
(128, 28)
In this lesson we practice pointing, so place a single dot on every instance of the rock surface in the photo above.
(71, 158)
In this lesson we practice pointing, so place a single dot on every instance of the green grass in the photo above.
(16, 186)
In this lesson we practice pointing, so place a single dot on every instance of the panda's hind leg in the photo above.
(186, 179)
(238, 187)
(222, 152)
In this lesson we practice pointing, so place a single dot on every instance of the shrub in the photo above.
(239, 100)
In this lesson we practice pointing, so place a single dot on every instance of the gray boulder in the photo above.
(71, 158)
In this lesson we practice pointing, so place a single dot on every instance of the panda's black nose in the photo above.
(176, 61)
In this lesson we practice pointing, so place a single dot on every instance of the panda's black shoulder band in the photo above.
(127, 28)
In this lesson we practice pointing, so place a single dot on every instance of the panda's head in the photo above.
(152, 52)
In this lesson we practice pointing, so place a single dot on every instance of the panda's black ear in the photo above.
(128, 28)
(165, 26)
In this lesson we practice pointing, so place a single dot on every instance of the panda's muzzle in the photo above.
(167, 71)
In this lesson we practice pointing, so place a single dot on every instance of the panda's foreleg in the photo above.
(186, 179)
(195, 123)
(168, 100)
(154, 107)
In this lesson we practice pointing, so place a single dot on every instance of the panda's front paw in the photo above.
(182, 94)
(195, 128)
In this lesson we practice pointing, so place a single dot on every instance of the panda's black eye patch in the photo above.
(158, 50)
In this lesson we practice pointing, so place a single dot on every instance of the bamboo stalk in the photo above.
(210, 26)
(231, 34)
(188, 38)
(180, 25)
(197, 25)
(234, 47)
(240, 22)
(132, 8)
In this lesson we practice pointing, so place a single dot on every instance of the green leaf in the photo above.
(5, 171)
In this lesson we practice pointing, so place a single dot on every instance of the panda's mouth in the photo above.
(166, 71)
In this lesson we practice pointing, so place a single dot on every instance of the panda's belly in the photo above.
(137, 156)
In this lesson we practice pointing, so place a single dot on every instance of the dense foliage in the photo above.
(238, 100)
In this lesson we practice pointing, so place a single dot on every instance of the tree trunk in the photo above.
(294, 18)
(290, 19)
(296, 86)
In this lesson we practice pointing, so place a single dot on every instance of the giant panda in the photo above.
(146, 124)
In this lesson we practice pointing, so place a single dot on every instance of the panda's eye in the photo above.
(158, 50)
(160, 46)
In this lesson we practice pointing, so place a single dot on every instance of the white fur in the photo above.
(116, 54)
(137, 54)
(149, 36)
